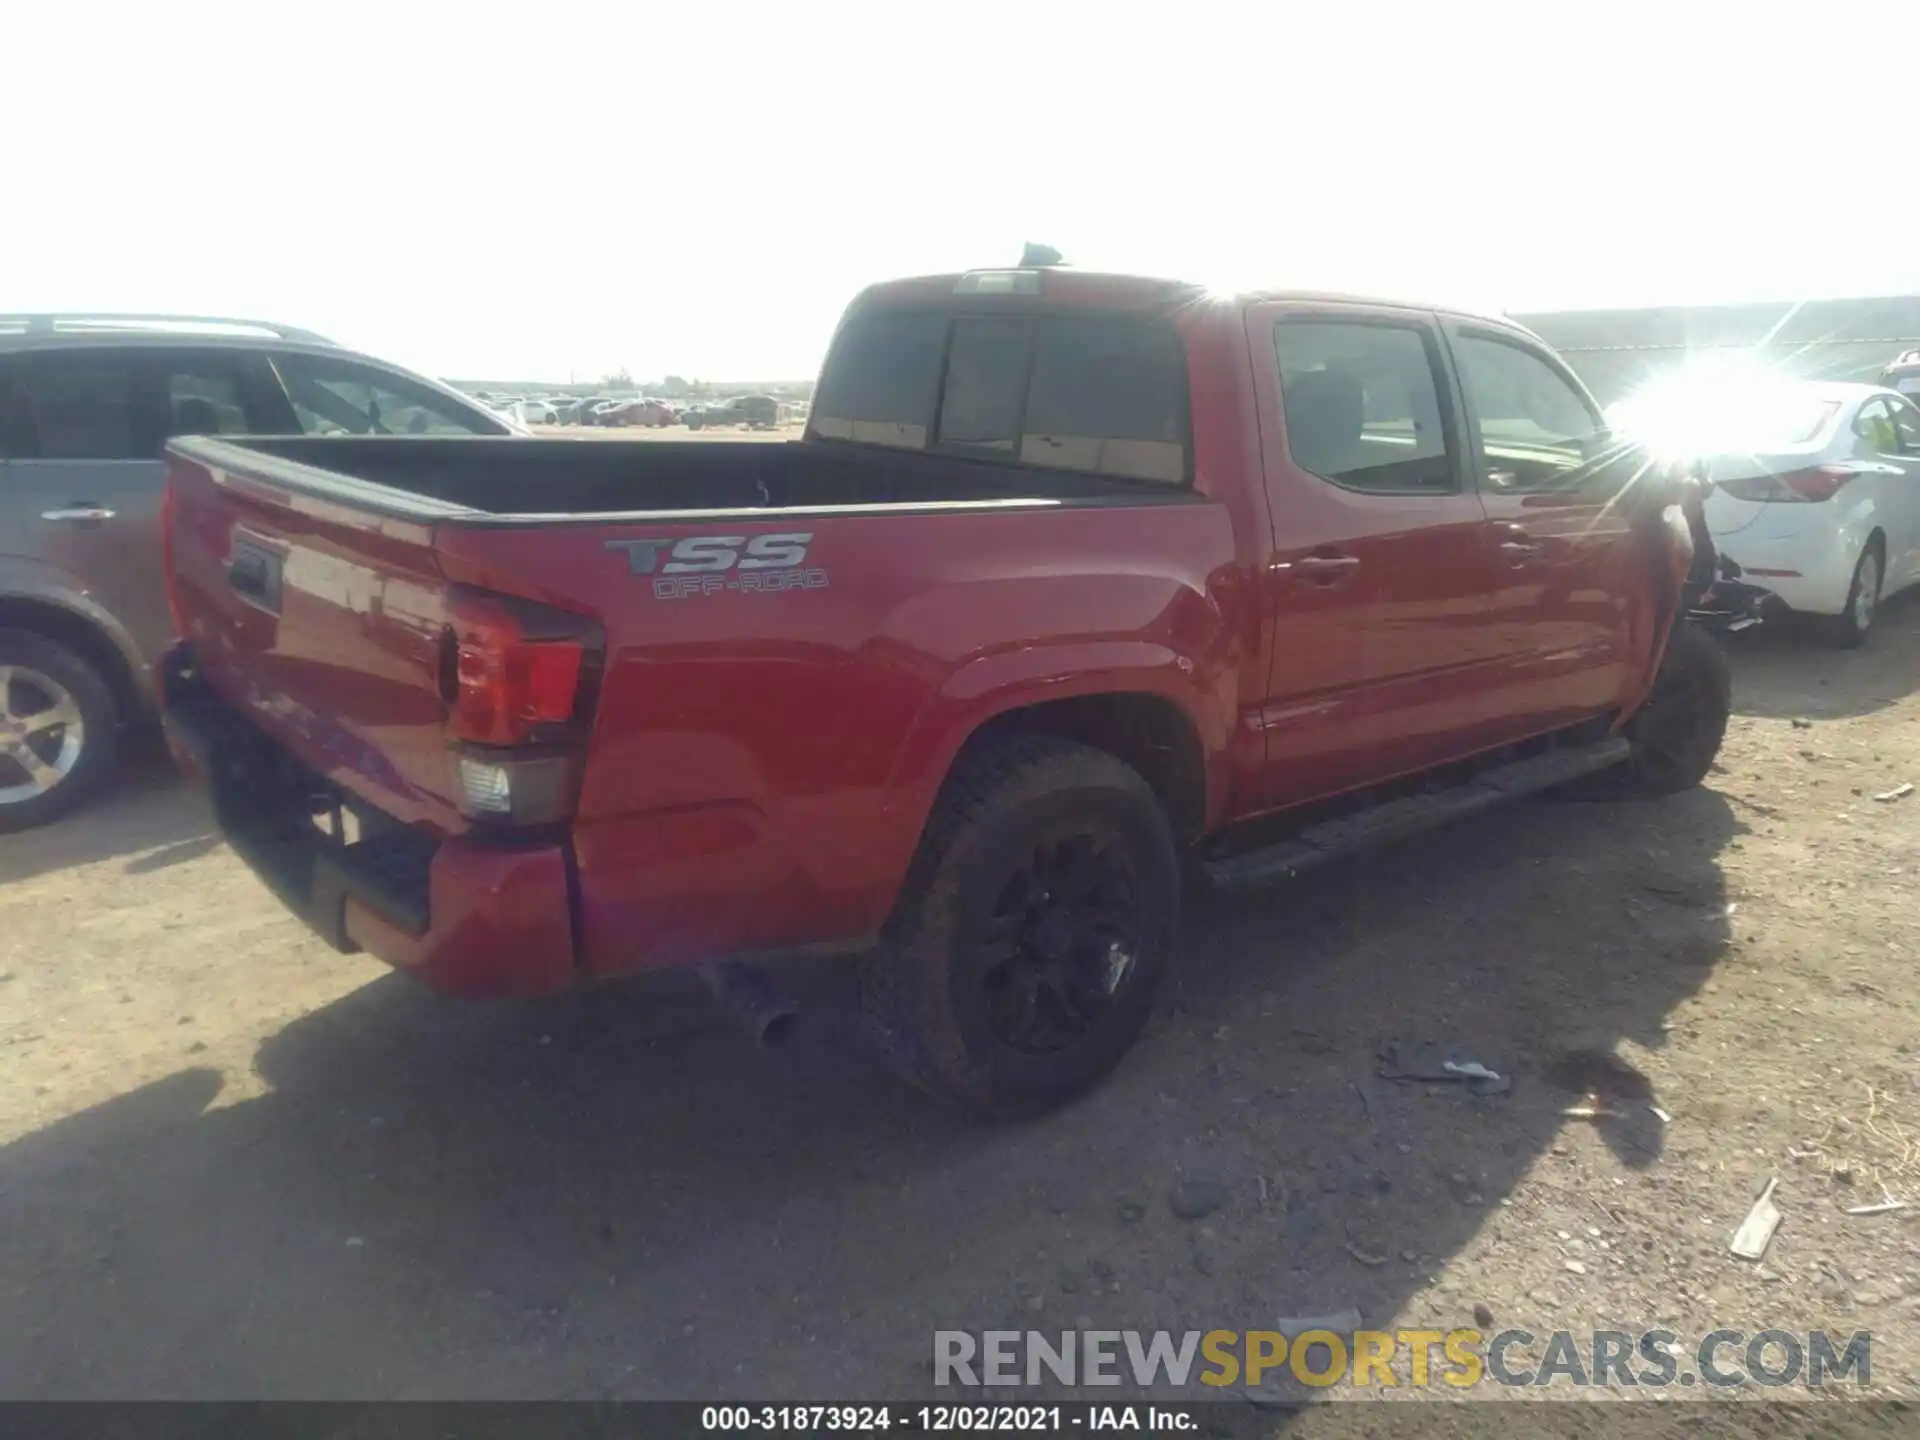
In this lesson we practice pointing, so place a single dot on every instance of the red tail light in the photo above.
(1819, 482)
(166, 561)
(516, 678)
(514, 675)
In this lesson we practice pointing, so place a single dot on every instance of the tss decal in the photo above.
(711, 564)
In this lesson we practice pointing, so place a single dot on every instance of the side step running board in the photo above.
(1395, 819)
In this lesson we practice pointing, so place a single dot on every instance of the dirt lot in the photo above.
(235, 1164)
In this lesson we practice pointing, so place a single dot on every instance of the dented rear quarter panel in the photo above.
(761, 764)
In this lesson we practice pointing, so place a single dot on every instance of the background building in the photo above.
(1614, 351)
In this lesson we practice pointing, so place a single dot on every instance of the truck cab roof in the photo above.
(1116, 292)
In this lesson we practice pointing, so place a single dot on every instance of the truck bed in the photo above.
(762, 718)
(557, 477)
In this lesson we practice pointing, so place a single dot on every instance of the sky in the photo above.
(558, 192)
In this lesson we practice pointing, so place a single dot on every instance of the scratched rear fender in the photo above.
(765, 750)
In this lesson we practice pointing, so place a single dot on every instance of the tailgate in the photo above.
(320, 618)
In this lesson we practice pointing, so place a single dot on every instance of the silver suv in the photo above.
(87, 404)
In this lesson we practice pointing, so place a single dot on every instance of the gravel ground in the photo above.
(235, 1164)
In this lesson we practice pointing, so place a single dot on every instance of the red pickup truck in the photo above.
(1078, 585)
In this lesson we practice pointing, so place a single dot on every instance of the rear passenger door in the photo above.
(1383, 655)
(1560, 529)
(86, 474)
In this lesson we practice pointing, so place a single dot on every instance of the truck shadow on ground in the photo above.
(614, 1195)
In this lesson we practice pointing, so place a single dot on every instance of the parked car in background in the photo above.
(575, 410)
(641, 413)
(1903, 375)
(586, 409)
(1816, 489)
(1076, 585)
(86, 405)
(535, 412)
(757, 412)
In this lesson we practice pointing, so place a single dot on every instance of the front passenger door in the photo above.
(1903, 494)
(1559, 533)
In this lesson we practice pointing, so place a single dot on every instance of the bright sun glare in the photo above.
(1717, 406)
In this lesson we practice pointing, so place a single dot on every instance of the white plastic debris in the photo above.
(1885, 1207)
(1750, 1241)
(1341, 1322)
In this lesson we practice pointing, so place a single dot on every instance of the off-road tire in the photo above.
(1847, 630)
(1005, 797)
(1677, 731)
(99, 715)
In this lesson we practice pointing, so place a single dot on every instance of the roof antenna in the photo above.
(1037, 256)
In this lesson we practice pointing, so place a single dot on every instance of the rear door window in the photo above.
(82, 405)
(104, 404)
(1362, 401)
(12, 425)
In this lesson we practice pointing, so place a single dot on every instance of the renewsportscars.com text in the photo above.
(1459, 1359)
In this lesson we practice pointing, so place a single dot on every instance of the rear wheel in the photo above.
(1035, 928)
(58, 729)
(1850, 628)
(1677, 731)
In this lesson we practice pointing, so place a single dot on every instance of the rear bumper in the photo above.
(464, 915)
(1731, 604)
(1809, 572)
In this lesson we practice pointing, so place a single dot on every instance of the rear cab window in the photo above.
(1095, 394)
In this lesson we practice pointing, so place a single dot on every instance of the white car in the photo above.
(535, 412)
(1821, 502)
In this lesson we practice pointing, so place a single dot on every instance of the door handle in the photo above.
(248, 575)
(255, 573)
(78, 512)
(1327, 569)
(1517, 545)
